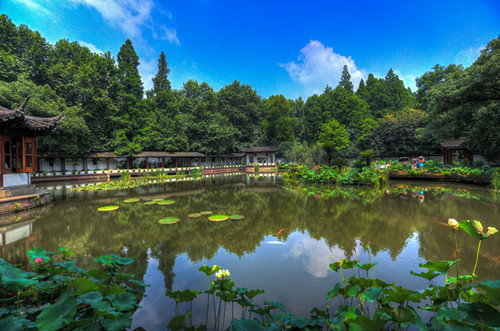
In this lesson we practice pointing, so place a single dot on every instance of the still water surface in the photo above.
(284, 245)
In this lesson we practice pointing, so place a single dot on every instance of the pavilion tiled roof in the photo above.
(455, 143)
(230, 155)
(16, 119)
(261, 149)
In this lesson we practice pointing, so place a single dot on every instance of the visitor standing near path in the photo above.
(421, 162)
(414, 163)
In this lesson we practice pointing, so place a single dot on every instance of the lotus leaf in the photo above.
(236, 217)
(108, 208)
(113, 260)
(206, 213)
(194, 215)
(14, 278)
(123, 301)
(150, 203)
(218, 218)
(58, 315)
(169, 220)
(132, 200)
(156, 200)
(165, 202)
(475, 229)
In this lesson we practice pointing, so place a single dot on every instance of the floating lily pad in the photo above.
(156, 200)
(150, 203)
(206, 213)
(193, 215)
(218, 218)
(165, 202)
(132, 200)
(236, 217)
(169, 220)
(108, 208)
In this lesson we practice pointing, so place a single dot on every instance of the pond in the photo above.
(284, 245)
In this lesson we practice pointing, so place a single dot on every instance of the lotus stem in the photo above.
(373, 272)
(477, 258)
(456, 251)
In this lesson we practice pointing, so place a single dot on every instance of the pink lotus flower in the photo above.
(38, 260)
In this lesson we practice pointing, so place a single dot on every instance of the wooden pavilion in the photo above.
(456, 150)
(18, 144)
(261, 154)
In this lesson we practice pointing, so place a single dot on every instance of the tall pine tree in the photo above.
(128, 137)
(166, 124)
(345, 80)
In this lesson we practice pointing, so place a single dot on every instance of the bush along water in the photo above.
(126, 182)
(439, 169)
(366, 303)
(58, 294)
(324, 175)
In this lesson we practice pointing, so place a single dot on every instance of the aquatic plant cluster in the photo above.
(325, 175)
(57, 294)
(174, 219)
(439, 169)
(127, 182)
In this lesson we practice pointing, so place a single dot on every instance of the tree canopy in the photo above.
(108, 109)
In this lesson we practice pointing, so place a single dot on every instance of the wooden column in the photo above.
(147, 163)
(107, 162)
(189, 162)
(163, 162)
(63, 166)
(176, 161)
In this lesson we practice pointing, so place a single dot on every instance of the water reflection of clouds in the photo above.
(315, 255)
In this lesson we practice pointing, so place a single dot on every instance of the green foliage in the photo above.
(278, 125)
(60, 295)
(384, 95)
(466, 105)
(333, 137)
(126, 182)
(396, 134)
(430, 79)
(309, 155)
(495, 181)
(106, 109)
(207, 129)
(72, 135)
(334, 175)
(345, 80)
(196, 172)
(243, 108)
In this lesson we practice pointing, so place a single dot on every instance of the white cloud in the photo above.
(167, 34)
(90, 46)
(468, 56)
(34, 5)
(319, 65)
(315, 255)
(128, 15)
(131, 16)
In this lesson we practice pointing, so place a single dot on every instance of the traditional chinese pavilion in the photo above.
(18, 144)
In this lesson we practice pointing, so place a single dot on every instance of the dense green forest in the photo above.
(108, 109)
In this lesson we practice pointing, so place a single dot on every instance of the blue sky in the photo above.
(287, 47)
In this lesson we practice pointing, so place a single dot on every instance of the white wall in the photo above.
(16, 179)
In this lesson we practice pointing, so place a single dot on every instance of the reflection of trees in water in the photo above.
(384, 221)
